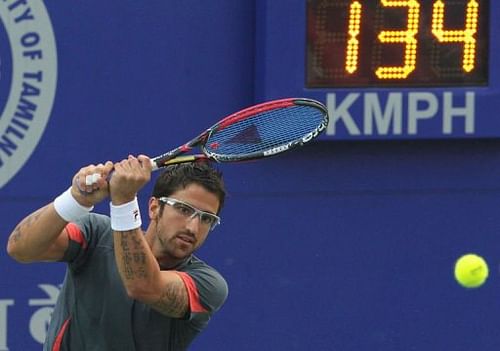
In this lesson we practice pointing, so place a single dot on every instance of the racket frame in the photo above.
(173, 156)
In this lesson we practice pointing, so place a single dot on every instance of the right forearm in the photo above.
(41, 236)
(35, 235)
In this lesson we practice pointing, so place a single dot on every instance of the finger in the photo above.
(120, 165)
(106, 173)
(132, 165)
(121, 168)
(82, 185)
(92, 179)
(145, 162)
(102, 171)
(108, 167)
(134, 162)
(79, 179)
(89, 177)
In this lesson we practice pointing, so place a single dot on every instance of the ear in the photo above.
(154, 208)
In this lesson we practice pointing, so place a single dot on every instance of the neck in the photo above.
(167, 263)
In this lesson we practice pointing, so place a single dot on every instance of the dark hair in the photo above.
(179, 176)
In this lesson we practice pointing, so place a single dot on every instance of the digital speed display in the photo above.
(426, 43)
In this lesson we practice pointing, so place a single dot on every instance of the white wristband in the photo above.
(126, 216)
(68, 208)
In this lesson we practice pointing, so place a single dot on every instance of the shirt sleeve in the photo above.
(207, 290)
(83, 235)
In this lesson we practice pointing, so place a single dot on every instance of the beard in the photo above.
(177, 246)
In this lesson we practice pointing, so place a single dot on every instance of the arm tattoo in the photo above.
(173, 300)
(134, 256)
(17, 234)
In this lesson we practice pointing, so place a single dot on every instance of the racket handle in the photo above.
(91, 179)
(154, 165)
(179, 159)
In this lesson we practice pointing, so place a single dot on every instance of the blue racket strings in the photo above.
(265, 131)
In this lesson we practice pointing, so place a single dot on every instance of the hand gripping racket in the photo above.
(259, 131)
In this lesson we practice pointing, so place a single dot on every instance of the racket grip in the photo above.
(91, 179)
(159, 163)
(154, 165)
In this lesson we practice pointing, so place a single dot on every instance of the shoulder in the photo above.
(92, 226)
(200, 268)
(86, 234)
(210, 284)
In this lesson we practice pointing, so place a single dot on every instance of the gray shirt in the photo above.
(94, 313)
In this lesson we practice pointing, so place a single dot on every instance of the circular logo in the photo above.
(28, 79)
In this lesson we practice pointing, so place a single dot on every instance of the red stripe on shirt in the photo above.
(75, 234)
(194, 296)
(60, 335)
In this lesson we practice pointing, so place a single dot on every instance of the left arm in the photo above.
(138, 268)
(144, 281)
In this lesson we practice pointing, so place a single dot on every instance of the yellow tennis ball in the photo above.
(471, 271)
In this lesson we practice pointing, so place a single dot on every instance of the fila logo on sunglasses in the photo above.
(28, 78)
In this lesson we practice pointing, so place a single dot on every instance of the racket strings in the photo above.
(265, 130)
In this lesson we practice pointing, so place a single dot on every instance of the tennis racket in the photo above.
(259, 131)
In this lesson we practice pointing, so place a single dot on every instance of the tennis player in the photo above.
(126, 289)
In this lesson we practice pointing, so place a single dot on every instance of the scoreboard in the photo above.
(387, 69)
(396, 43)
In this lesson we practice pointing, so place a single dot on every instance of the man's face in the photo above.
(177, 235)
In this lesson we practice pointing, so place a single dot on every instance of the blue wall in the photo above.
(337, 246)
